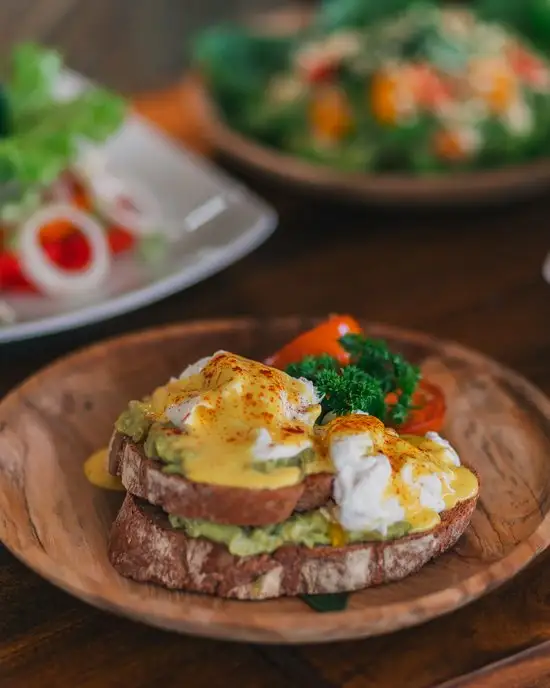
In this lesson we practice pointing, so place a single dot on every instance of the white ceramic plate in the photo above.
(216, 221)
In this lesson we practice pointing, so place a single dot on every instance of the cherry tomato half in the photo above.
(431, 412)
(11, 275)
(120, 239)
(322, 339)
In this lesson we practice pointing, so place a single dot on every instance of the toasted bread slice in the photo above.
(177, 495)
(145, 548)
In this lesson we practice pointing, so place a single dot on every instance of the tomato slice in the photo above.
(11, 275)
(431, 412)
(322, 339)
(56, 230)
(120, 239)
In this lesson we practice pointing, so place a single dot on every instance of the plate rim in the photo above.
(144, 296)
(314, 625)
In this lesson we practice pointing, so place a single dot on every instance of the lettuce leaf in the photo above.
(237, 65)
(337, 15)
(45, 132)
(335, 602)
(34, 72)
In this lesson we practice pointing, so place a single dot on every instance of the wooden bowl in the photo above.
(513, 182)
(57, 523)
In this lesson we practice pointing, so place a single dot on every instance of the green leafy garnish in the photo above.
(351, 389)
(5, 114)
(336, 15)
(310, 366)
(374, 373)
(45, 132)
(392, 370)
(334, 602)
(343, 390)
(237, 65)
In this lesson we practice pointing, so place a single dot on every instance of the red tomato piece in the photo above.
(430, 90)
(528, 67)
(76, 252)
(320, 71)
(120, 239)
(71, 253)
(11, 276)
(430, 414)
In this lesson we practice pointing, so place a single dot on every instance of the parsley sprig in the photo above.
(374, 372)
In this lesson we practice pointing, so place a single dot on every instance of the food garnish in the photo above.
(357, 373)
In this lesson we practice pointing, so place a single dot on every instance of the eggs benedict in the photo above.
(244, 481)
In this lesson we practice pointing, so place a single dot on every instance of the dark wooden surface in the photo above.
(470, 275)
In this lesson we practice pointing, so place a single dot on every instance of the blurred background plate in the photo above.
(511, 183)
(215, 219)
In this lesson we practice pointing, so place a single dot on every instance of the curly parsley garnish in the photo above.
(373, 374)
(392, 370)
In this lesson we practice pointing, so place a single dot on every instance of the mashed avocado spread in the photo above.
(158, 438)
(309, 529)
(160, 441)
(133, 422)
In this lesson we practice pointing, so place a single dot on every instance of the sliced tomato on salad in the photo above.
(322, 339)
(11, 275)
(120, 239)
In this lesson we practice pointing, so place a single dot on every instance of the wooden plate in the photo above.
(58, 524)
(506, 183)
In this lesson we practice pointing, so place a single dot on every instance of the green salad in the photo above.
(66, 216)
(393, 86)
(39, 135)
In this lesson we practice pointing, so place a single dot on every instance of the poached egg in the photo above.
(229, 414)
(382, 479)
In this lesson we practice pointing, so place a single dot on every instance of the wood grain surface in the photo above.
(58, 525)
(472, 276)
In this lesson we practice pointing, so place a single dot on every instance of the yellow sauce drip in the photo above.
(338, 536)
(237, 399)
(465, 486)
(97, 472)
(422, 520)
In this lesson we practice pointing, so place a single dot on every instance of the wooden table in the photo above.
(473, 276)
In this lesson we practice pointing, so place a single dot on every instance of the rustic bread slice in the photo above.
(145, 548)
(177, 495)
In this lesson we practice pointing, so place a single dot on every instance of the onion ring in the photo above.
(46, 275)
(7, 314)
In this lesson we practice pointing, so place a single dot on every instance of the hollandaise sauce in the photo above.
(97, 471)
(234, 422)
